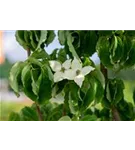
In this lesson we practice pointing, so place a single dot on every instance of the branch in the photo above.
(28, 52)
(37, 106)
(64, 112)
(115, 113)
(39, 112)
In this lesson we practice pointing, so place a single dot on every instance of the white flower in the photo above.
(77, 72)
(71, 71)
(59, 69)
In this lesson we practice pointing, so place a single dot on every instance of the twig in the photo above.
(115, 114)
(39, 112)
(63, 113)
(28, 52)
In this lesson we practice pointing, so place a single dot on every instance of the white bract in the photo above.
(59, 69)
(70, 70)
(77, 72)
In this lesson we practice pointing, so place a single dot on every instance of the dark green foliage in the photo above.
(101, 96)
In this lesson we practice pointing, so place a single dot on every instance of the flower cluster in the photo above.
(71, 70)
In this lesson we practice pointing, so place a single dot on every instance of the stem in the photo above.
(115, 113)
(39, 112)
(28, 52)
(37, 106)
(63, 114)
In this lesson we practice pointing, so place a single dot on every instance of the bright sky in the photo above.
(14, 52)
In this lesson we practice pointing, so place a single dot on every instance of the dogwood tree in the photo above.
(67, 85)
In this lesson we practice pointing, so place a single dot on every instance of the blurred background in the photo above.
(11, 52)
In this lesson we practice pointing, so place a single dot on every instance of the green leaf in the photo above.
(106, 103)
(127, 43)
(40, 54)
(14, 116)
(27, 81)
(105, 32)
(45, 86)
(102, 47)
(134, 95)
(29, 114)
(115, 89)
(105, 114)
(73, 98)
(131, 57)
(119, 32)
(88, 62)
(36, 80)
(46, 79)
(89, 97)
(73, 105)
(53, 55)
(93, 91)
(126, 110)
(71, 47)
(130, 32)
(49, 72)
(76, 38)
(122, 104)
(98, 75)
(62, 36)
(33, 42)
(89, 118)
(115, 43)
(110, 91)
(130, 111)
(86, 85)
(62, 55)
(43, 38)
(117, 50)
(50, 37)
(37, 34)
(55, 114)
(20, 39)
(120, 87)
(58, 54)
(27, 36)
(66, 89)
(99, 91)
(47, 109)
(65, 118)
(88, 43)
(99, 81)
(15, 76)
(35, 62)
(75, 118)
